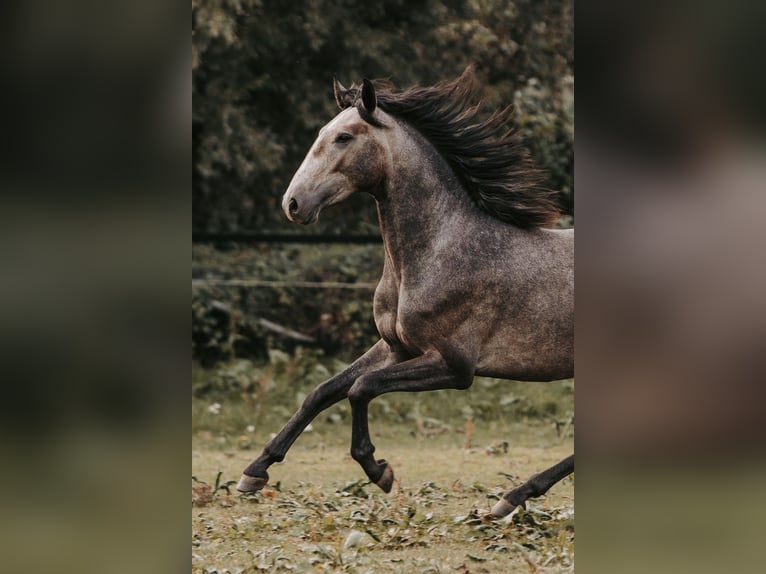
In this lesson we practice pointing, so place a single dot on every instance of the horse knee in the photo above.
(359, 392)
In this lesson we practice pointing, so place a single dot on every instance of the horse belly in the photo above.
(518, 369)
(527, 358)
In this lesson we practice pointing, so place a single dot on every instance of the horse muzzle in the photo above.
(302, 203)
(300, 210)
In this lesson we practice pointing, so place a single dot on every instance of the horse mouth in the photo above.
(304, 219)
(313, 219)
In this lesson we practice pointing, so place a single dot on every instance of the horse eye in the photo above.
(343, 137)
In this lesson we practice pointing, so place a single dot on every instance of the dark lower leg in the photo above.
(276, 449)
(255, 476)
(362, 450)
(537, 485)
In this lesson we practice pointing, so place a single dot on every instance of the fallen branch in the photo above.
(285, 332)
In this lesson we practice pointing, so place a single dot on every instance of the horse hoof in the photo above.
(502, 508)
(386, 480)
(249, 483)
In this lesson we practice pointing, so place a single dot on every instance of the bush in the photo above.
(249, 322)
(262, 73)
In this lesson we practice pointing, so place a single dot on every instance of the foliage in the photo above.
(238, 394)
(352, 529)
(227, 321)
(262, 74)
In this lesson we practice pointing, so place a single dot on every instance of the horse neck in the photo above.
(422, 199)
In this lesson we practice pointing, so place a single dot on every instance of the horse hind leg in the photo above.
(537, 485)
(427, 372)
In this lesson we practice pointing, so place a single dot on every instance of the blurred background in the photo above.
(670, 314)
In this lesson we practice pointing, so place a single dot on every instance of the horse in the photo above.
(474, 283)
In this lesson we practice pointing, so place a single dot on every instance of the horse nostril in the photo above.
(293, 207)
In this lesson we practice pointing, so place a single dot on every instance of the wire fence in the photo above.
(245, 237)
(281, 284)
(253, 237)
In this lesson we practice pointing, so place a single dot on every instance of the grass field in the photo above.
(454, 453)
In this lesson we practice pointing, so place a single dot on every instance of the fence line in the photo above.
(249, 237)
(280, 284)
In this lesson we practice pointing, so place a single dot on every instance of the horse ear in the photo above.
(340, 93)
(369, 100)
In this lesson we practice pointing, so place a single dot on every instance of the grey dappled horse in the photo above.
(472, 283)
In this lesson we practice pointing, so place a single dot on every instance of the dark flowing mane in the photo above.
(486, 154)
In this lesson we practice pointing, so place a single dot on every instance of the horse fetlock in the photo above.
(362, 454)
(518, 497)
(276, 457)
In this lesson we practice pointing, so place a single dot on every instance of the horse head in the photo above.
(346, 157)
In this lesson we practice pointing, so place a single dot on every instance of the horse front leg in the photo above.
(255, 476)
(427, 372)
(536, 486)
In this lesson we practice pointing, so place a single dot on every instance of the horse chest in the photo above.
(398, 334)
(397, 323)
(390, 314)
(386, 309)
